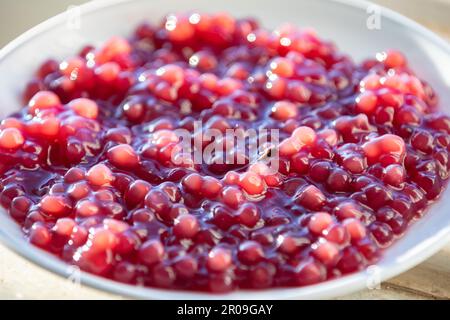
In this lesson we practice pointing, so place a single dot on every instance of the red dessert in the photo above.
(93, 171)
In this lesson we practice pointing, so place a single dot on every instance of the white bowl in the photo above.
(343, 21)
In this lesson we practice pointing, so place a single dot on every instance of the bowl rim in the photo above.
(332, 288)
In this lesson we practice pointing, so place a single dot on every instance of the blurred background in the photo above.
(17, 16)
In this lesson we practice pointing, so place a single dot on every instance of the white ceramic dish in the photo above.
(343, 21)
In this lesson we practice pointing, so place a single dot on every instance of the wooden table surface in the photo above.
(20, 279)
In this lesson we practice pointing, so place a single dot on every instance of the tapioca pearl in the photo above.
(108, 72)
(219, 259)
(319, 222)
(112, 49)
(382, 233)
(79, 190)
(186, 226)
(395, 175)
(186, 267)
(100, 175)
(387, 144)
(158, 201)
(11, 138)
(84, 107)
(319, 171)
(151, 252)
(355, 228)
(232, 197)
(311, 198)
(422, 141)
(336, 233)
(39, 235)
(284, 110)
(249, 215)
(252, 183)
(211, 187)
(123, 156)
(20, 207)
(55, 206)
(394, 59)
(309, 272)
(74, 175)
(87, 208)
(351, 260)
(276, 88)
(338, 180)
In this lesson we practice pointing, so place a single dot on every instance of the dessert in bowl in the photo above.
(95, 171)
